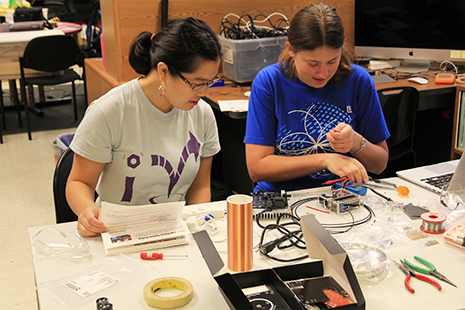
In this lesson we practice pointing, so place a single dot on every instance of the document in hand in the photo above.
(141, 228)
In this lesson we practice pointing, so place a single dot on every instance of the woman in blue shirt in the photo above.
(314, 116)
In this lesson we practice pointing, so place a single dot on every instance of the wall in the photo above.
(123, 20)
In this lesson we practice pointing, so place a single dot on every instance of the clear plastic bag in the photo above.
(451, 205)
(451, 199)
(370, 263)
(122, 270)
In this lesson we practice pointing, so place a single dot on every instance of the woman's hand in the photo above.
(89, 223)
(373, 156)
(345, 166)
(342, 138)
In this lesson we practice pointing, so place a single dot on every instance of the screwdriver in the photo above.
(154, 256)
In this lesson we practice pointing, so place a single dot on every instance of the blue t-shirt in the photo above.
(295, 118)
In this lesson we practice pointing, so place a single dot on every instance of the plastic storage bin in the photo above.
(242, 59)
(64, 141)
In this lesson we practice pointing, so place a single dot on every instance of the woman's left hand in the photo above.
(342, 138)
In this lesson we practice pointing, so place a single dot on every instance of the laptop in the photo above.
(449, 175)
(383, 78)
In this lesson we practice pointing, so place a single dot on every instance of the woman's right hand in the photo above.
(345, 166)
(89, 223)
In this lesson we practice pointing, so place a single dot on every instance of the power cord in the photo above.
(443, 66)
(246, 27)
(203, 220)
(338, 228)
(345, 227)
(459, 78)
(380, 195)
(295, 238)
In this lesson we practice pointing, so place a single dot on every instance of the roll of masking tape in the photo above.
(153, 300)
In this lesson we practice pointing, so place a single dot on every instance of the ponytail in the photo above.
(182, 45)
(139, 53)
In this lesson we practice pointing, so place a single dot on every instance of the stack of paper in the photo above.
(139, 228)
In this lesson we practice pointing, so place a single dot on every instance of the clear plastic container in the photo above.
(242, 59)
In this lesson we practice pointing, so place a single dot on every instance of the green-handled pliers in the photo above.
(431, 270)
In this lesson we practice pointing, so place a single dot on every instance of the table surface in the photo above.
(26, 36)
(234, 91)
(387, 294)
(12, 45)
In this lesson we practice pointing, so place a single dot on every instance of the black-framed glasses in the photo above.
(196, 87)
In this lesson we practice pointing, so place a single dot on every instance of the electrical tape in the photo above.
(180, 300)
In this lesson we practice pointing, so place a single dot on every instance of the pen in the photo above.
(154, 256)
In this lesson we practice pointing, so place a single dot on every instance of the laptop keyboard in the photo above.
(439, 181)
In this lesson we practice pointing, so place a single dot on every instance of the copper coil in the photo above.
(240, 233)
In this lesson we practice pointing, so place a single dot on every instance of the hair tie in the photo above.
(151, 38)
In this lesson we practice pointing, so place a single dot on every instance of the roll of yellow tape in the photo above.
(180, 300)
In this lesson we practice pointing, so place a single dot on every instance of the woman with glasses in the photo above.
(314, 116)
(151, 140)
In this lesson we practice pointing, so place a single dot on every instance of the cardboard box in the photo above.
(242, 59)
(333, 267)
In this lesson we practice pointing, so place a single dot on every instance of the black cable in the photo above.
(235, 31)
(265, 249)
(299, 203)
(294, 207)
(295, 237)
(379, 194)
(299, 238)
(282, 229)
(350, 225)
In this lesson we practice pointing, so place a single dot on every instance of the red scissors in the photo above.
(409, 272)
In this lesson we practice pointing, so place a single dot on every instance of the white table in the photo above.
(390, 294)
(193, 269)
(12, 45)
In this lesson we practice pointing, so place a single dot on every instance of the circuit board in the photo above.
(339, 200)
(270, 200)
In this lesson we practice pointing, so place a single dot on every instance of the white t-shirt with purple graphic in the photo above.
(151, 157)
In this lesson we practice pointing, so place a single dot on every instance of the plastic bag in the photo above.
(116, 272)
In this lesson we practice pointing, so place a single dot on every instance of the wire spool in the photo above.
(433, 223)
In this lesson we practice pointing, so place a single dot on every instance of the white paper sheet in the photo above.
(234, 105)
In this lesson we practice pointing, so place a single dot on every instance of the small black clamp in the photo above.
(103, 304)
